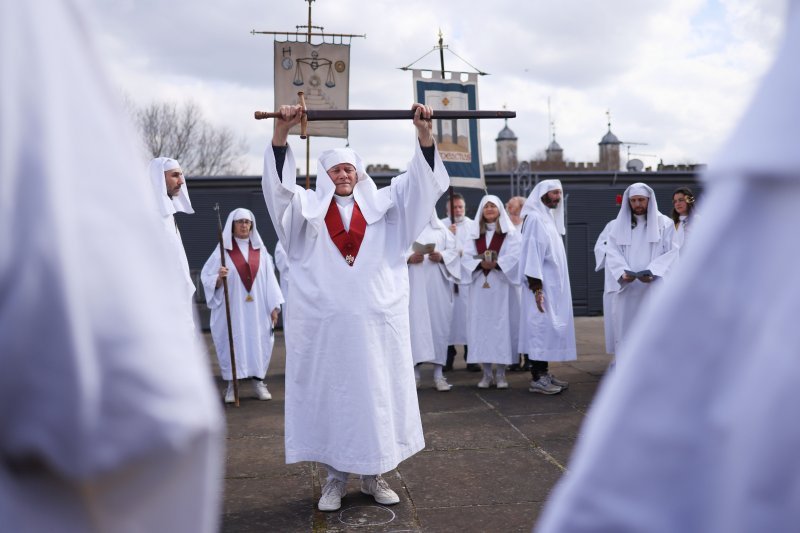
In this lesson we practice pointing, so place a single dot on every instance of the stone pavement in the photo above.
(491, 456)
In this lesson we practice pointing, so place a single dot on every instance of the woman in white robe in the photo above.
(430, 274)
(254, 312)
(494, 296)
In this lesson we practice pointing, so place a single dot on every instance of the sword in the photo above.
(379, 114)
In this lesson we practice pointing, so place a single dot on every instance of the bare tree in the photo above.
(181, 132)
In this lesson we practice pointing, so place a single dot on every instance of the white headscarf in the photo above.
(534, 203)
(315, 203)
(622, 230)
(227, 232)
(503, 220)
(167, 205)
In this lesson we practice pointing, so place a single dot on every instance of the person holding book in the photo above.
(490, 260)
(638, 253)
(433, 264)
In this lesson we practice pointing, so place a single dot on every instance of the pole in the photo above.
(227, 309)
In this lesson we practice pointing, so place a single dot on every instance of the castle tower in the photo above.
(554, 155)
(609, 150)
(506, 150)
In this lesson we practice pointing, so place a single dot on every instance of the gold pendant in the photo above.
(486, 283)
(350, 259)
(248, 299)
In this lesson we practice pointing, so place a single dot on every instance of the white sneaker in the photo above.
(377, 487)
(557, 382)
(544, 386)
(485, 382)
(332, 494)
(261, 390)
(442, 385)
(229, 393)
(501, 382)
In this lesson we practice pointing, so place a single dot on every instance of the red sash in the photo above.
(495, 245)
(247, 272)
(348, 243)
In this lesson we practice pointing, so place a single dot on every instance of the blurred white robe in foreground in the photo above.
(712, 454)
(108, 418)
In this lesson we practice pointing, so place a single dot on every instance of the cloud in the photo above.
(676, 75)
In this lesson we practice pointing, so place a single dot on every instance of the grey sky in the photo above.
(675, 74)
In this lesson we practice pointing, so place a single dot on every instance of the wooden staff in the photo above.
(227, 309)
(378, 114)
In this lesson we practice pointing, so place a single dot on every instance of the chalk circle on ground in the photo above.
(366, 515)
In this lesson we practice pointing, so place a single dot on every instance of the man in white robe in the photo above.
(609, 286)
(108, 417)
(254, 302)
(637, 255)
(712, 454)
(430, 274)
(351, 400)
(493, 300)
(547, 329)
(171, 195)
(458, 224)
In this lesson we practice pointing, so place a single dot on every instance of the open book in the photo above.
(423, 249)
(639, 275)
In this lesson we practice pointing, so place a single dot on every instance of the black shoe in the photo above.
(473, 367)
(447, 368)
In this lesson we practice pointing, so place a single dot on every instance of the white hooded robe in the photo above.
(251, 320)
(548, 336)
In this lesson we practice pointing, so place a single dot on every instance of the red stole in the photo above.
(348, 243)
(247, 271)
(495, 244)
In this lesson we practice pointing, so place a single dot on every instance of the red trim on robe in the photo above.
(348, 243)
(495, 245)
(247, 271)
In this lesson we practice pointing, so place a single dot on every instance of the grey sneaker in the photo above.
(332, 494)
(485, 382)
(377, 487)
(544, 386)
(261, 390)
(557, 382)
(442, 385)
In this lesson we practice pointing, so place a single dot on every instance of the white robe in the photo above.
(548, 336)
(351, 399)
(712, 448)
(282, 262)
(431, 297)
(250, 321)
(458, 326)
(609, 286)
(109, 421)
(491, 334)
(641, 254)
